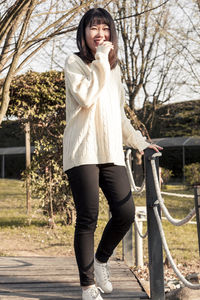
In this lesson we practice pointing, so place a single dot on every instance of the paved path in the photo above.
(56, 278)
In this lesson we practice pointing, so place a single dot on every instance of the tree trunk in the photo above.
(28, 162)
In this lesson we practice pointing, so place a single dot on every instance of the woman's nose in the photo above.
(100, 32)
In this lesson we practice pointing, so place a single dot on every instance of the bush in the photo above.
(192, 173)
(166, 174)
(48, 182)
(40, 99)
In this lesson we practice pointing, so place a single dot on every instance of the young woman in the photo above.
(93, 154)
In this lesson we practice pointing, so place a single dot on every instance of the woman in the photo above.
(93, 154)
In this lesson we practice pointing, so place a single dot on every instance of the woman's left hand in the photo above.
(154, 147)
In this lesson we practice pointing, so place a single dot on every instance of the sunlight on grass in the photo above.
(17, 233)
(182, 240)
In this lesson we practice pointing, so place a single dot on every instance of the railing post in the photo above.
(139, 262)
(127, 246)
(140, 217)
(156, 273)
(197, 207)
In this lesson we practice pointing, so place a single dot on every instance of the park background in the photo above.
(159, 59)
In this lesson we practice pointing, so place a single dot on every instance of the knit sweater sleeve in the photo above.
(131, 137)
(86, 86)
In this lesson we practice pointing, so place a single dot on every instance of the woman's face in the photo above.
(96, 35)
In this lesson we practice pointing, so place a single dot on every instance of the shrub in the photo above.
(166, 174)
(192, 173)
(40, 99)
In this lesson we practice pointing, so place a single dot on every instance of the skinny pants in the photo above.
(85, 181)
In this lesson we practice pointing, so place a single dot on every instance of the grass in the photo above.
(19, 236)
(182, 240)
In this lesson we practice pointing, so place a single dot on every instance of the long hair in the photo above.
(96, 16)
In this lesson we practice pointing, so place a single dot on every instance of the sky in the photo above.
(182, 19)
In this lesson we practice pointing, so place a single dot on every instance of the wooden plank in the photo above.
(66, 297)
(48, 278)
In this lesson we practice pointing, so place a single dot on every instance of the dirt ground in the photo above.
(174, 288)
(42, 243)
(49, 243)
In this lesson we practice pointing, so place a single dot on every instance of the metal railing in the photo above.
(156, 238)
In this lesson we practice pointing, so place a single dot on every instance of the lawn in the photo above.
(31, 235)
(182, 240)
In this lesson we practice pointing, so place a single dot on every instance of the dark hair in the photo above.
(91, 17)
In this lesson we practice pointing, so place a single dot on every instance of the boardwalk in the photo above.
(56, 278)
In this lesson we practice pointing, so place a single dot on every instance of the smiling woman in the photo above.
(93, 154)
(97, 27)
(96, 35)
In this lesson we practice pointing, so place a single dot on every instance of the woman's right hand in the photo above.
(105, 47)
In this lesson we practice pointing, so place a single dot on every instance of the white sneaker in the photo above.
(92, 293)
(101, 272)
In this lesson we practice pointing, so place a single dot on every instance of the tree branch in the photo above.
(11, 72)
(143, 12)
(10, 17)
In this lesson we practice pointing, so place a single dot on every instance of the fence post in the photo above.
(157, 290)
(140, 217)
(127, 247)
(3, 166)
(197, 207)
(28, 162)
(139, 262)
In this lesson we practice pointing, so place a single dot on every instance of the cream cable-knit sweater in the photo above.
(97, 125)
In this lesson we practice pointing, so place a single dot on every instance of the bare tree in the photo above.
(144, 64)
(157, 59)
(156, 54)
(198, 3)
(187, 36)
(26, 27)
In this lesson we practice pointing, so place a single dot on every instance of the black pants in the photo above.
(85, 181)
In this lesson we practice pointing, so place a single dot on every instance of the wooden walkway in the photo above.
(56, 278)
